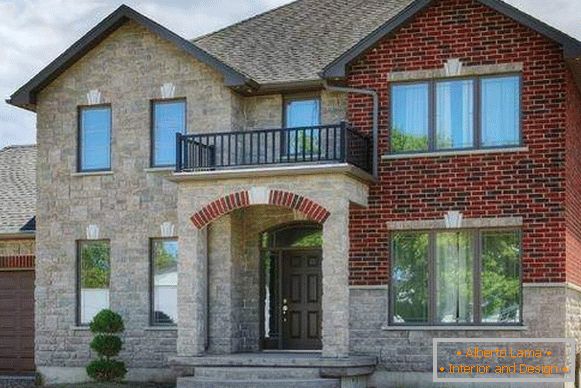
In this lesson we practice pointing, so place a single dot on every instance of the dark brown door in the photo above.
(301, 300)
(16, 322)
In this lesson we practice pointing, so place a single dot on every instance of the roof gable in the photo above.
(25, 97)
(337, 68)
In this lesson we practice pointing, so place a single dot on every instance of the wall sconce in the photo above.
(94, 97)
(453, 219)
(92, 232)
(167, 230)
(453, 67)
(168, 90)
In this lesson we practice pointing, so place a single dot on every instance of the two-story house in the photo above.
(310, 196)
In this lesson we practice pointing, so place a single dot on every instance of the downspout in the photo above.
(375, 129)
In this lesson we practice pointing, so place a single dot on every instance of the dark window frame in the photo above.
(78, 287)
(152, 321)
(477, 108)
(152, 104)
(80, 110)
(476, 236)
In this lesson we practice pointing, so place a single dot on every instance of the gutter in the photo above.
(375, 129)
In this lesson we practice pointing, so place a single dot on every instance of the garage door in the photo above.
(16, 322)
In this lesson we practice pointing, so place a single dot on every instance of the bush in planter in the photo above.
(107, 345)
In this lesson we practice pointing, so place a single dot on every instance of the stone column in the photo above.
(336, 282)
(192, 291)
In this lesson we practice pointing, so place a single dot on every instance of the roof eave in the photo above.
(25, 96)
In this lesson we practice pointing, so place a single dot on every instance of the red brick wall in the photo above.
(573, 245)
(528, 184)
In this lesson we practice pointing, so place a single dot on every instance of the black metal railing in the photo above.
(319, 144)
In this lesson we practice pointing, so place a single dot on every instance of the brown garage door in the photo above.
(16, 322)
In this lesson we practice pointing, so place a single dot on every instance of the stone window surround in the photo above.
(439, 224)
(440, 73)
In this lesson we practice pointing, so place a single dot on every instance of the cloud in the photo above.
(34, 32)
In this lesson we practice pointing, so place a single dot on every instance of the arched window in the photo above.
(293, 236)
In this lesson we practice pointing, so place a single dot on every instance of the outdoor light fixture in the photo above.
(453, 219)
(168, 90)
(453, 67)
(94, 97)
(167, 229)
(92, 232)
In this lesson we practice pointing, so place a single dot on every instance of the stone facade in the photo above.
(131, 202)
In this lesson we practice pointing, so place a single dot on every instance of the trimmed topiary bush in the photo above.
(107, 345)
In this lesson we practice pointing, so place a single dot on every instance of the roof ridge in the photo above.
(243, 21)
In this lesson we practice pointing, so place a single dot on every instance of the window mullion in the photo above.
(477, 107)
(432, 116)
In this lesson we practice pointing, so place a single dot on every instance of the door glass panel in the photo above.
(271, 296)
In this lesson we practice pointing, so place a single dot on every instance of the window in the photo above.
(94, 138)
(168, 118)
(93, 276)
(463, 277)
(300, 113)
(164, 281)
(455, 114)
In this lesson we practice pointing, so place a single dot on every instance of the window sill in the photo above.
(454, 153)
(453, 328)
(91, 173)
(159, 169)
(80, 328)
(161, 328)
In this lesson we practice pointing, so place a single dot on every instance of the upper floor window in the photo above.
(168, 118)
(94, 273)
(94, 153)
(301, 113)
(164, 281)
(463, 277)
(480, 112)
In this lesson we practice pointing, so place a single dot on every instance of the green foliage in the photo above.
(95, 264)
(165, 258)
(106, 370)
(107, 321)
(404, 142)
(107, 345)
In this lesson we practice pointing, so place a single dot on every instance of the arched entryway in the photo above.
(291, 287)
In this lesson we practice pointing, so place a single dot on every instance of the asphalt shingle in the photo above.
(296, 41)
(17, 189)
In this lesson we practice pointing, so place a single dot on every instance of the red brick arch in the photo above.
(241, 199)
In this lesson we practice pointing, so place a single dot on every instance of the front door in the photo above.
(301, 300)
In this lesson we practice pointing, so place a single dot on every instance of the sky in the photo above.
(34, 32)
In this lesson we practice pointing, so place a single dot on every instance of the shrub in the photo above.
(107, 345)
(107, 321)
(105, 369)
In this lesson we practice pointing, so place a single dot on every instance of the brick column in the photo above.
(336, 281)
(192, 290)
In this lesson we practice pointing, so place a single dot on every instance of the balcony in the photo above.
(319, 145)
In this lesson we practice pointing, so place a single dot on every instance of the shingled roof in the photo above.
(296, 41)
(17, 189)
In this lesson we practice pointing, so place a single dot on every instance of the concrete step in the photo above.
(208, 382)
(256, 373)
